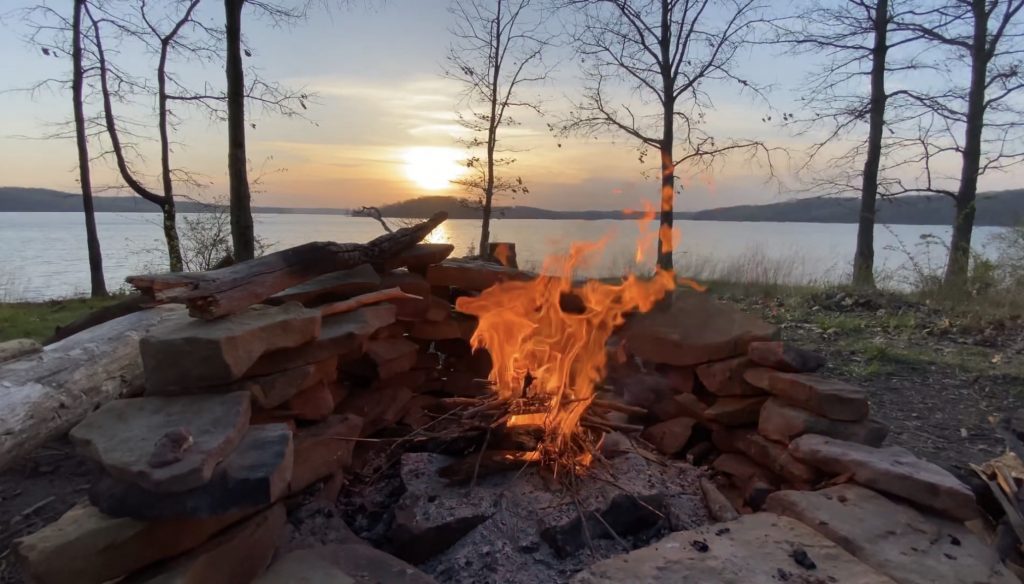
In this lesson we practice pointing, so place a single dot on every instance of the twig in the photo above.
(476, 467)
(619, 407)
(32, 509)
(625, 546)
(625, 428)
(583, 524)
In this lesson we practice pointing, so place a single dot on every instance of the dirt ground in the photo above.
(938, 381)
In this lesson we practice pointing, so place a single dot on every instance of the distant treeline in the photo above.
(1003, 208)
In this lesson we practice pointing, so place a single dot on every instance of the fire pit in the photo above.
(382, 413)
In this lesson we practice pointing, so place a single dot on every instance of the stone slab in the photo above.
(236, 556)
(253, 476)
(85, 546)
(331, 287)
(690, 328)
(670, 436)
(725, 378)
(735, 411)
(472, 275)
(126, 436)
(379, 407)
(771, 455)
(826, 397)
(312, 404)
(185, 354)
(754, 549)
(323, 449)
(342, 335)
(783, 356)
(782, 422)
(908, 546)
(892, 470)
(342, 564)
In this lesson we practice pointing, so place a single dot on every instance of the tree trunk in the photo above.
(958, 266)
(668, 166)
(170, 224)
(97, 284)
(492, 136)
(44, 395)
(167, 207)
(243, 237)
(864, 257)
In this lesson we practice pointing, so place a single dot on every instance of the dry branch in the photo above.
(217, 293)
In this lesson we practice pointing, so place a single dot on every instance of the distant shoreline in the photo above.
(1000, 209)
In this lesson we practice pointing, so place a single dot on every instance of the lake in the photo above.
(43, 255)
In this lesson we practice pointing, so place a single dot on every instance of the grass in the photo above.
(38, 320)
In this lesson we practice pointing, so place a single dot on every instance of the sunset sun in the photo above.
(433, 167)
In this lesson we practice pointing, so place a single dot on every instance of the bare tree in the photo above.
(856, 39)
(666, 54)
(98, 285)
(497, 50)
(165, 42)
(980, 122)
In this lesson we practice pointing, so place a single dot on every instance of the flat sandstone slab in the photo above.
(690, 328)
(236, 556)
(832, 399)
(86, 546)
(193, 353)
(908, 546)
(754, 549)
(165, 444)
(253, 476)
(891, 470)
(782, 422)
(341, 335)
(342, 564)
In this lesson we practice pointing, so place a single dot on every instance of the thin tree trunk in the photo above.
(864, 257)
(492, 136)
(668, 166)
(167, 207)
(958, 266)
(242, 235)
(97, 284)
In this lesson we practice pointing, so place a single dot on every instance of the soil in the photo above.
(37, 491)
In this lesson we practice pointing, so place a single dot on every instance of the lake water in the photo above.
(43, 255)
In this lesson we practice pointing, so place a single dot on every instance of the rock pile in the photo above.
(240, 412)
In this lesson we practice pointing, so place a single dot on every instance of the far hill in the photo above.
(1003, 208)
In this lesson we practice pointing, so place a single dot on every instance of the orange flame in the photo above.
(645, 239)
(546, 354)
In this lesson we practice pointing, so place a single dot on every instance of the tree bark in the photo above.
(44, 395)
(864, 257)
(243, 237)
(218, 293)
(958, 266)
(98, 285)
(167, 207)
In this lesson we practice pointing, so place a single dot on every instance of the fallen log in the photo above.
(358, 302)
(131, 303)
(229, 290)
(44, 395)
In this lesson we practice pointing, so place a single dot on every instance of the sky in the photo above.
(381, 126)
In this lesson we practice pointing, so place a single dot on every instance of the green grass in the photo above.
(38, 320)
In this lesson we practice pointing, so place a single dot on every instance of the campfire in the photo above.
(379, 390)
(548, 341)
